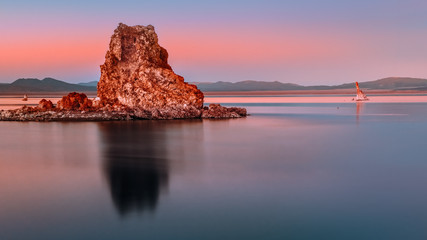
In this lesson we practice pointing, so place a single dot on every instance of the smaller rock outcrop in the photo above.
(34, 114)
(45, 105)
(218, 111)
(75, 101)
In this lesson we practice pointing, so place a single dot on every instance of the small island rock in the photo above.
(74, 101)
(218, 111)
(45, 105)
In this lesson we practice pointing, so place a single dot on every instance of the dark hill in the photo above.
(394, 83)
(90, 84)
(389, 83)
(249, 85)
(26, 85)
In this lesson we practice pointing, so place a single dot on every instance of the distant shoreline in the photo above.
(313, 92)
(399, 85)
(92, 94)
(14, 101)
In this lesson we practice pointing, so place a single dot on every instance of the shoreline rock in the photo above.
(136, 82)
(25, 114)
(218, 111)
(78, 107)
(46, 114)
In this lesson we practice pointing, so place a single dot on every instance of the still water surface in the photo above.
(289, 171)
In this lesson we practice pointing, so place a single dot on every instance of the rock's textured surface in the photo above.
(46, 112)
(218, 111)
(136, 74)
(45, 105)
(74, 101)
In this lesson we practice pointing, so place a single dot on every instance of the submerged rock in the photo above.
(218, 111)
(136, 74)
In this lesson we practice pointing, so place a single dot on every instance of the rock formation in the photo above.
(74, 109)
(218, 111)
(136, 74)
(45, 105)
(74, 101)
(136, 83)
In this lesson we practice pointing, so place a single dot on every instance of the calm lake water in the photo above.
(289, 171)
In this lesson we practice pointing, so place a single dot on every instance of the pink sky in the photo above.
(257, 43)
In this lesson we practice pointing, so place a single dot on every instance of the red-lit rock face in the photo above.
(136, 74)
(45, 105)
(74, 101)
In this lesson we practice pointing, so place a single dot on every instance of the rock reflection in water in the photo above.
(359, 109)
(135, 163)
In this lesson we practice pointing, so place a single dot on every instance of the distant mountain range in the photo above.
(89, 84)
(394, 83)
(29, 85)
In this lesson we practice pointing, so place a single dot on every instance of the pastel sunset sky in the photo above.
(306, 41)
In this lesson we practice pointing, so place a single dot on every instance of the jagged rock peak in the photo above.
(131, 44)
(136, 74)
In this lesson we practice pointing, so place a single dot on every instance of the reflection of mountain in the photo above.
(135, 164)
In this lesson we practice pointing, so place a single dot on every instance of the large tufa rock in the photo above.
(136, 74)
